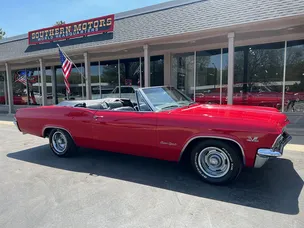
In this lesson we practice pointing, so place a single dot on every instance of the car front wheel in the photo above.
(61, 143)
(216, 162)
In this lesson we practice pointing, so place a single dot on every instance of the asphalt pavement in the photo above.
(101, 189)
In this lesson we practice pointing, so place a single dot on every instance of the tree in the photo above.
(2, 33)
(60, 22)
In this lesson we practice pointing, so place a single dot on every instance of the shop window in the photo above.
(157, 70)
(104, 76)
(49, 94)
(182, 74)
(208, 77)
(26, 87)
(3, 89)
(258, 75)
(104, 79)
(294, 83)
(130, 72)
(77, 84)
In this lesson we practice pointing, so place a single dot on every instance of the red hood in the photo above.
(245, 113)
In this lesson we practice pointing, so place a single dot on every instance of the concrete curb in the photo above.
(7, 123)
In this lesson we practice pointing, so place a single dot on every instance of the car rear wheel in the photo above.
(61, 143)
(216, 162)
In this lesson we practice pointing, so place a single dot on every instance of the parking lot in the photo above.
(100, 189)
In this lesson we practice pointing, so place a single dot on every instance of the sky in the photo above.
(21, 16)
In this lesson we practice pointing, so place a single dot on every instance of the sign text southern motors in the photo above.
(77, 29)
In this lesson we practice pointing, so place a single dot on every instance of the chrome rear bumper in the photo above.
(263, 154)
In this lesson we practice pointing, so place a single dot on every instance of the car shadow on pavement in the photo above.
(275, 187)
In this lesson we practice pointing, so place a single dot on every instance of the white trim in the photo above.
(99, 80)
(231, 50)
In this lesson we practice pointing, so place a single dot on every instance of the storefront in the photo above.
(211, 50)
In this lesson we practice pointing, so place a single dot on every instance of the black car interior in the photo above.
(119, 104)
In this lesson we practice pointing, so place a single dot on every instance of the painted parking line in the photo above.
(294, 147)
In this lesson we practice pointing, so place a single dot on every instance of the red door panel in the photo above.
(126, 132)
(79, 123)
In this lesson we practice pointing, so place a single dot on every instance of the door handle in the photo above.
(97, 117)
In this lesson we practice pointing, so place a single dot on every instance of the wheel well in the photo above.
(187, 152)
(47, 132)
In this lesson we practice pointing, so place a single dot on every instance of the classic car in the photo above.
(163, 123)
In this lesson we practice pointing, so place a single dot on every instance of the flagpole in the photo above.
(71, 61)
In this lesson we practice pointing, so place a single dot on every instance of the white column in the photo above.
(118, 73)
(194, 77)
(140, 73)
(9, 88)
(147, 65)
(167, 68)
(43, 82)
(5, 90)
(230, 67)
(87, 76)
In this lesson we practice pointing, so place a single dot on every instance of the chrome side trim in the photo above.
(61, 128)
(213, 137)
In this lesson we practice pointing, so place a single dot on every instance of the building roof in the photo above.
(162, 20)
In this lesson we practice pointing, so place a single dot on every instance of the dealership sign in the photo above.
(72, 30)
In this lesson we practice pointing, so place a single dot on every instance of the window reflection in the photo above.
(104, 78)
(157, 70)
(48, 76)
(182, 76)
(3, 87)
(294, 84)
(208, 77)
(26, 87)
(258, 75)
(77, 84)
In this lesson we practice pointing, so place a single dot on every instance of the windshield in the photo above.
(164, 98)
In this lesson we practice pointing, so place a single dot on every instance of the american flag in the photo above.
(66, 65)
(21, 77)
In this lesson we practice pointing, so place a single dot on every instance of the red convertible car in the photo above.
(163, 123)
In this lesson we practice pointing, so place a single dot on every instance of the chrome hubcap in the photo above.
(59, 142)
(214, 162)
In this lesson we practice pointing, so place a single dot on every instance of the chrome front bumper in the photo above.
(276, 151)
